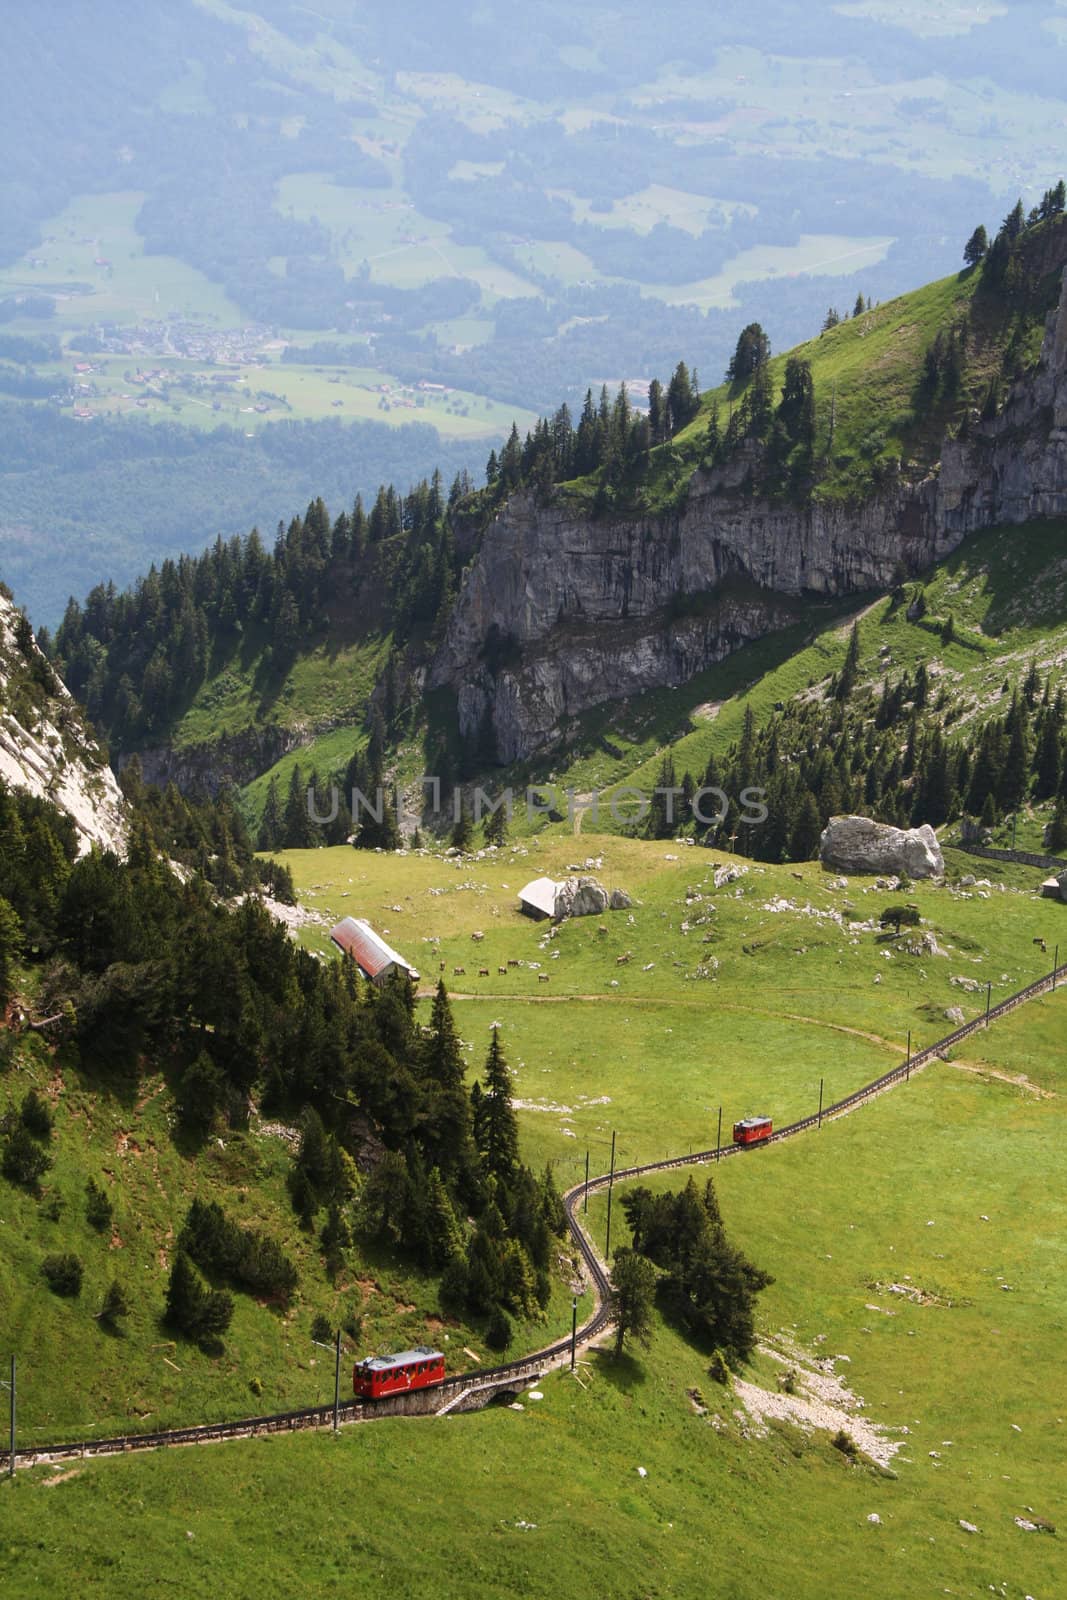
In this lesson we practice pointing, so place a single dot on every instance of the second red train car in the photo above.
(409, 1369)
(752, 1130)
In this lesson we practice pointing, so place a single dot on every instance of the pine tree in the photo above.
(299, 831)
(444, 1236)
(807, 830)
(495, 827)
(633, 1288)
(191, 1307)
(753, 350)
(1056, 836)
(1014, 779)
(461, 831)
(448, 1131)
(497, 1131)
(10, 949)
(976, 247)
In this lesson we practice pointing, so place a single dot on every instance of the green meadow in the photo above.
(950, 1188)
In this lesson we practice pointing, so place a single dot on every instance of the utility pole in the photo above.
(1055, 966)
(11, 1452)
(907, 1069)
(611, 1185)
(585, 1192)
(988, 997)
(718, 1136)
(336, 1348)
(574, 1332)
(820, 1102)
(337, 1383)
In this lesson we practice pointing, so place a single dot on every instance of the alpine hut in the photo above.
(375, 959)
(538, 899)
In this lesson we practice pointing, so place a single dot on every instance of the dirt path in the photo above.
(1018, 1080)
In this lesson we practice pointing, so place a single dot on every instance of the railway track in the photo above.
(530, 1366)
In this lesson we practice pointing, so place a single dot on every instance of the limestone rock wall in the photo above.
(50, 755)
(589, 608)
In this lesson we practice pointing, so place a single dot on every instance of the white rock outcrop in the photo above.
(579, 896)
(55, 759)
(859, 844)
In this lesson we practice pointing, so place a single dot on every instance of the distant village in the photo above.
(192, 341)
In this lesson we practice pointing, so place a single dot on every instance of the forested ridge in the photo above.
(137, 657)
(888, 753)
(133, 966)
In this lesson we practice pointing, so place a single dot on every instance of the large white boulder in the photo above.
(859, 844)
(580, 897)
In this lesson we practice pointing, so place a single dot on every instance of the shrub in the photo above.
(846, 1444)
(116, 1305)
(900, 917)
(63, 1274)
(23, 1161)
(719, 1367)
(256, 1385)
(35, 1115)
(192, 1308)
(321, 1331)
(252, 1260)
(98, 1209)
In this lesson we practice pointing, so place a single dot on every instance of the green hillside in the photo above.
(1003, 595)
(940, 1187)
(297, 639)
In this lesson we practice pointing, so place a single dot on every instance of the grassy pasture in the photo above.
(822, 255)
(549, 1500)
(744, 997)
(402, 247)
(133, 287)
(807, 106)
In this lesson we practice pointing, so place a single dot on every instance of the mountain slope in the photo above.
(481, 624)
(586, 590)
(45, 748)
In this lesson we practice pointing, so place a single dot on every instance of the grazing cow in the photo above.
(542, 977)
(1044, 946)
(442, 966)
(483, 972)
(622, 961)
(513, 961)
(503, 971)
(459, 972)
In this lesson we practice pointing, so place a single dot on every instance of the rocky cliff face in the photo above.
(588, 608)
(231, 759)
(44, 747)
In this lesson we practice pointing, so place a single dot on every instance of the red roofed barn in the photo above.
(375, 959)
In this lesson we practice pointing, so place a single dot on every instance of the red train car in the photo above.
(409, 1369)
(752, 1130)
